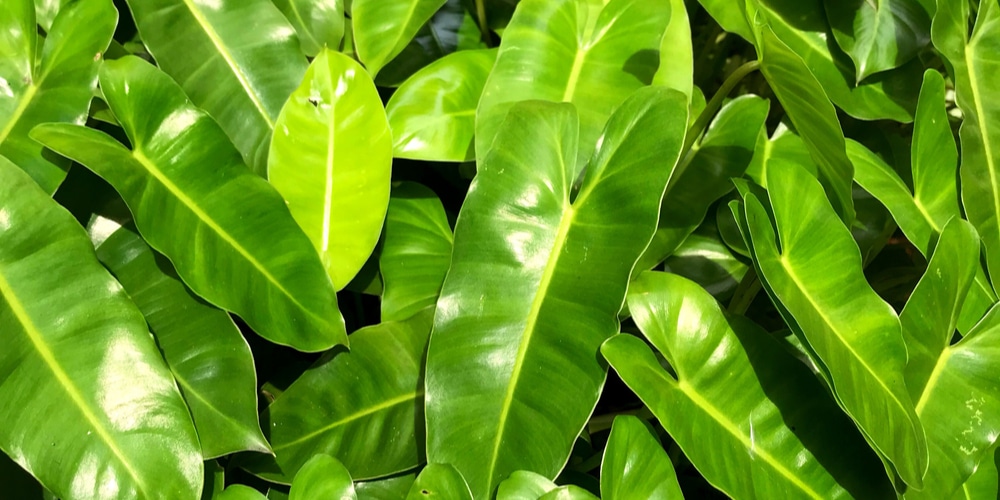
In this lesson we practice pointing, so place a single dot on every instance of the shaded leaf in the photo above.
(318, 24)
(391, 488)
(879, 35)
(382, 28)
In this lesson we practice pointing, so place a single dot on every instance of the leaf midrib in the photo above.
(983, 128)
(371, 410)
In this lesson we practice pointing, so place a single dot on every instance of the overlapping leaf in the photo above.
(322, 477)
(536, 283)
(635, 465)
(676, 54)
(226, 231)
(439, 481)
(382, 28)
(878, 35)
(318, 24)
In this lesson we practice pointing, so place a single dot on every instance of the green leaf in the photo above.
(591, 53)
(879, 35)
(706, 260)
(536, 282)
(433, 114)
(416, 251)
(215, 476)
(383, 28)
(50, 83)
(331, 160)
(111, 423)
(46, 11)
(215, 372)
(524, 485)
(440, 481)
(676, 54)
(444, 33)
(816, 275)
(349, 400)
(568, 492)
(392, 488)
(318, 23)
(229, 235)
(16, 481)
(322, 477)
(635, 464)
(239, 60)
(772, 431)
(240, 492)
(983, 483)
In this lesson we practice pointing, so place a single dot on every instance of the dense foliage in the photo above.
(476, 249)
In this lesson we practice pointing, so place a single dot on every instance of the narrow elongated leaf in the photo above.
(676, 54)
(228, 234)
(534, 282)
(383, 28)
(322, 477)
(635, 465)
(524, 485)
(879, 35)
(239, 60)
(204, 349)
(737, 387)
(590, 52)
(318, 23)
(440, 481)
(90, 409)
(433, 114)
(50, 83)
(816, 276)
(331, 160)
(415, 253)
(372, 394)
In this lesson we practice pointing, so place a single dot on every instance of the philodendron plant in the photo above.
(499, 249)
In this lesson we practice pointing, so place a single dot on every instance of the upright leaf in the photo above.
(318, 24)
(589, 52)
(239, 60)
(524, 485)
(90, 409)
(240, 492)
(879, 35)
(536, 283)
(322, 477)
(983, 482)
(226, 231)
(812, 267)
(51, 83)
(439, 481)
(383, 28)
(331, 160)
(676, 54)
(635, 465)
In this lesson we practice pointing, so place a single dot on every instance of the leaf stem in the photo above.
(746, 291)
(483, 26)
(699, 126)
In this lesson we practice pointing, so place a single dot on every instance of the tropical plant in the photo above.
(477, 249)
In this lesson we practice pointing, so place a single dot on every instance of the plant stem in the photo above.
(483, 26)
(713, 106)
(746, 291)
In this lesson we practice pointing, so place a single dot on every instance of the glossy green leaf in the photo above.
(444, 33)
(440, 481)
(591, 53)
(879, 35)
(982, 485)
(229, 235)
(383, 28)
(735, 386)
(114, 424)
(676, 54)
(816, 276)
(731, 16)
(240, 492)
(635, 465)
(46, 11)
(974, 62)
(568, 492)
(322, 477)
(391, 488)
(318, 23)
(331, 160)
(433, 114)
(50, 79)
(416, 251)
(215, 475)
(524, 485)
(812, 113)
(537, 280)
(706, 260)
(206, 353)
(239, 60)
(349, 400)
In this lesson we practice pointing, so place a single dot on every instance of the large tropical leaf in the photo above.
(983, 484)
(439, 481)
(705, 259)
(635, 465)
(318, 23)
(879, 35)
(204, 349)
(812, 268)
(770, 424)
(415, 253)
(239, 60)
(383, 28)
(90, 408)
(536, 282)
(524, 485)
(391, 488)
(676, 54)
(226, 231)
(322, 477)
(331, 160)
(433, 114)
(53, 82)
(589, 52)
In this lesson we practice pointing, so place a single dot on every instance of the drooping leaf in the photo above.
(318, 23)
(812, 267)
(228, 234)
(524, 485)
(50, 79)
(322, 477)
(204, 349)
(536, 281)
(879, 35)
(415, 253)
(591, 53)
(635, 465)
(676, 54)
(433, 114)
(382, 28)
(239, 60)
(90, 408)
(440, 481)
(331, 160)
(769, 422)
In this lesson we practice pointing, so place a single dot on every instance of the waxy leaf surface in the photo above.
(439, 481)
(383, 28)
(879, 35)
(635, 465)
(318, 23)
(322, 477)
